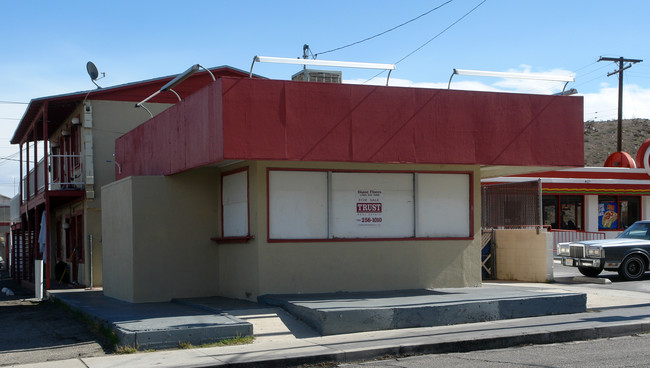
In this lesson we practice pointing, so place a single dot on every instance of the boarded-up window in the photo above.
(443, 205)
(297, 204)
(323, 205)
(234, 199)
(372, 205)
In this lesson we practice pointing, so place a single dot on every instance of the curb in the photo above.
(592, 280)
(459, 346)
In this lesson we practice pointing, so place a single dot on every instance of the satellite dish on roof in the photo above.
(93, 73)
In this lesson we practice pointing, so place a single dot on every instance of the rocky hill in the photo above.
(600, 138)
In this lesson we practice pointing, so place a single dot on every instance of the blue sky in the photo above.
(46, 44)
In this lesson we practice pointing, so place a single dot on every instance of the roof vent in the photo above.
(323, 76)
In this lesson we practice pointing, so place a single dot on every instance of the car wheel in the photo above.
(632, 268)
(590, 271)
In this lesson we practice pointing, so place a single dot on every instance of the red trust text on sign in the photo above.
(368, 207)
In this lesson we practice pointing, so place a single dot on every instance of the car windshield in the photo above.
(638, 230)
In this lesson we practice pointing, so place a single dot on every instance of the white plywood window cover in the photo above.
(372, 205)
(443, 205)
(235, 204)
(297, 204)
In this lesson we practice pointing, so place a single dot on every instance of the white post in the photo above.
(38, 279)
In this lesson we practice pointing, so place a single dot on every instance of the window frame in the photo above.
(470, 178)
(558, 210)
(618, 210)
(248, 222)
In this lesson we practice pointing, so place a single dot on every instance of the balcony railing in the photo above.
(64, 173)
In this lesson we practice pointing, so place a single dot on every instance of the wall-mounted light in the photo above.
(305, 62)
(173, 83)
(66, 226)
(485, 73)
(119, 167)
(76, 121)
(65, 133)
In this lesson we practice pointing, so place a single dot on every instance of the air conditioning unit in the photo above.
(323, 76)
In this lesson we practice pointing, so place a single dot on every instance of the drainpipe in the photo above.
(90, 242)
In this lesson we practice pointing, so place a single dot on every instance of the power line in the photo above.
(443, 31)
(585, 67)
(384, 32)
(593, 71)
(577, 76)
(431, 39)
(14, 103)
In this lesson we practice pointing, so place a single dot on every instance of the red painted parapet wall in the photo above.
(254, 119)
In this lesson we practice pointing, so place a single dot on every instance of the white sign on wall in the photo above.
(369, 207)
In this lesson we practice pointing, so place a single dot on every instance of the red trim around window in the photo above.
(471, 206)
(618, 206)
(236, 239)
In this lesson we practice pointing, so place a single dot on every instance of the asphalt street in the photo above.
(628, 351)
(33, 331)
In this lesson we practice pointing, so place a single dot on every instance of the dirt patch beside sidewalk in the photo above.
(33, 331)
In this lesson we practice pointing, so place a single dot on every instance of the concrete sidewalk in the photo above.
(612, 313)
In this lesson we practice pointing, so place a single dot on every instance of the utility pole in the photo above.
(621, 60)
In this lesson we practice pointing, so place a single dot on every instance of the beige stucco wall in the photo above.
(118, 230)
(173, 219)
(110, 120)
(260, 267)
(157, 234)
(101, 123)
(523, 255)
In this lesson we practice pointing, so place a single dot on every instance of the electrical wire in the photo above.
(429, 41)
(384, 32)
(585, 67)
(439, 34)
(595, 70)
(14, 103)
(542, 89)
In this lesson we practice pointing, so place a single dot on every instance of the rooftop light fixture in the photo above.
(305, 62)
(173, 83)
(482, 73)
(568, 92)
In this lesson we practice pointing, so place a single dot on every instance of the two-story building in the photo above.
(66, 155)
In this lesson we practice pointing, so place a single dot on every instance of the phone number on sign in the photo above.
(370, 219)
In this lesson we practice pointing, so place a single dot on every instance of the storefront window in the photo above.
(549, 205)
(333, 205)
(563, 212)
(618, 212)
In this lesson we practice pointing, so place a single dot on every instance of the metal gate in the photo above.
(510, 205)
